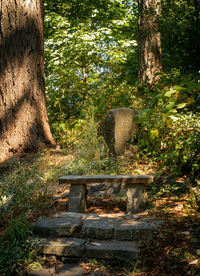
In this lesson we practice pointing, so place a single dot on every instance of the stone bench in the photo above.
(135, 186)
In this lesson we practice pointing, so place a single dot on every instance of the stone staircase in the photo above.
(100, 236)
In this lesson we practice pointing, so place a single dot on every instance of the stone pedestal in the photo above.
(136, 197)
(78, 198)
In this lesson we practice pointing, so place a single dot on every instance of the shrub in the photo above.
(170, 126)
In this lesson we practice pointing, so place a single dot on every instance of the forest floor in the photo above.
(175, 251)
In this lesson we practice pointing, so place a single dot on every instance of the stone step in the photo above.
(68, 247)
(58, 226)
(109, 228)
(113, 227)
(123, 250)
(73, 247)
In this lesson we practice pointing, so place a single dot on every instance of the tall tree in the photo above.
(149, 40)
(23, 117)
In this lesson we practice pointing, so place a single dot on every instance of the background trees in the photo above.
(92, 52)
(85, 58)
(180, 35)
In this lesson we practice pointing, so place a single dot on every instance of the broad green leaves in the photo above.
(84, 62)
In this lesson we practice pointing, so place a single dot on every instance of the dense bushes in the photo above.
(170, 124)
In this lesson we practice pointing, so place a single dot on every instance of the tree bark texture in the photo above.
(23, 117)
(149, 40)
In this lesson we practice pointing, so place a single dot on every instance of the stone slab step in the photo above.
(99, 228)
(70, 247)
(136, 230)
(112, 250)
(58, 226)
(73, 247)
(64, 270)
(95, 226)
(118, 229)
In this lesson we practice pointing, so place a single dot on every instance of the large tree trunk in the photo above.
(23, 117)
(149, 40)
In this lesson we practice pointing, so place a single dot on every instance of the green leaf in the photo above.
(170, 93)
(173, 118)
(170, 105)
(181, 105)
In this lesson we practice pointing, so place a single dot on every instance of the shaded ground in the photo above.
(175, 251)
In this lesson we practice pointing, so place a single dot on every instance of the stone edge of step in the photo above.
(73, 247)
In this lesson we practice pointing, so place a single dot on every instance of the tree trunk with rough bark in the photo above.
(23, 116)
(149, 40)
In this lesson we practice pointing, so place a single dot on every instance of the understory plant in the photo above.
(169, 121)
(90, 149)
(24, 189)
(17, 247)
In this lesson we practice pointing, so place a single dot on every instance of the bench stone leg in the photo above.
(136, 197)
(78, 198)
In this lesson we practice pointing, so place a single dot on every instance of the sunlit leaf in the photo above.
(170, 93)
(181, 105)
(174, 118)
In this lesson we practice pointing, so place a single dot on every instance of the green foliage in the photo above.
(169, 125)
(95, 149)
(17, 248)
(26, 185)
(180, 32)
(85, 62)
(24, 189)
(91, 154)
(91, 60)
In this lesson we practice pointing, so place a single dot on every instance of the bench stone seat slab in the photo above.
(58, 226)
(86, 179)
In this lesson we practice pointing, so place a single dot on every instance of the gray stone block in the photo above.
(65, 270)
(100, 228)
(70, 247)
(119, 128)
(69, 215)
(78, 198)
(58, 226)
(112, 250)
(136, 197)
(135, 230)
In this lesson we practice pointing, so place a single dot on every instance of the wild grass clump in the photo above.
(17, 247)
(90, 151)
(23, 190)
